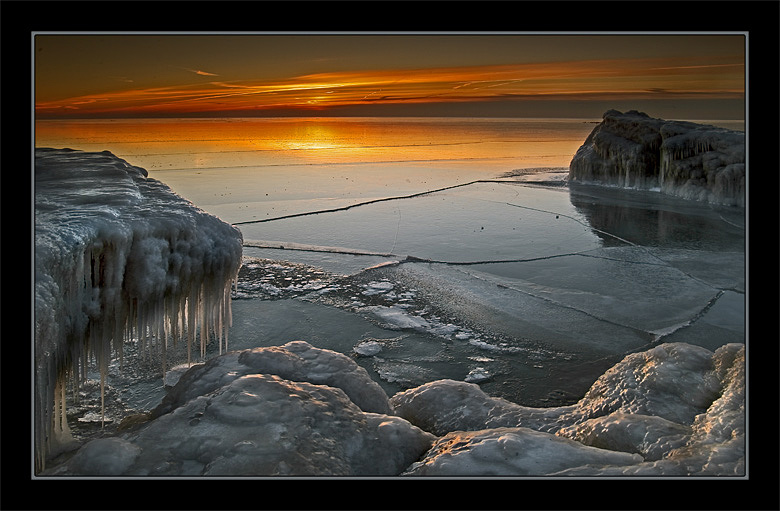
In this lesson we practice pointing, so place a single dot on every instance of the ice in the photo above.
(676, 409)
(296, 361)
(514, 300)
(511, 452)
(118, 256)
(684, 159)
(368, 348)
(478, 375)
(258, 412)
(289, 410)
(596, 273)
(105, 456)
(373, 288)
(460, 223)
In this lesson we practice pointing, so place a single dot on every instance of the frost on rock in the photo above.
(118, 256)
(678, 409)
(685, 159)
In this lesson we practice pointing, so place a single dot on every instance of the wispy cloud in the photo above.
(453, 84)
(705, 66)
(200, 72)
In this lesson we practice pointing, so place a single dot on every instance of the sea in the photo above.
(436, 248)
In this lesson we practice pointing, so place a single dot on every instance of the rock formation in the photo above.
(684, 159)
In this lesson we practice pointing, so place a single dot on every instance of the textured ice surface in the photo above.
(118, 255)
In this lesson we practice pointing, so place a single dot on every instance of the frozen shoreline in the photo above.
(516, 321)
(295, 410)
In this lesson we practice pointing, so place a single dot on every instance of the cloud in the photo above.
(704, 66)
(199, 72)
(549, 80)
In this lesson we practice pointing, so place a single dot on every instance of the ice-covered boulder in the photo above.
(511, 452)
(258, 425)
(444, 406)
(675, 381)
(685, 159)
(680, 407)
(676, 409)
(295, 361)
(118, 254)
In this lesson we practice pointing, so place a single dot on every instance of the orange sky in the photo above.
(161, 78)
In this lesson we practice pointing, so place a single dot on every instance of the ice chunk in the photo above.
(374, 288)
(368, 348)
(396, 317)
(119, 255)
(675, 381)
(478, 374)
(443, 406)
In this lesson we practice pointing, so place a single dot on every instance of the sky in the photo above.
(469, 74)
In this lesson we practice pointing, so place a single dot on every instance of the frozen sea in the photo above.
(436, 248)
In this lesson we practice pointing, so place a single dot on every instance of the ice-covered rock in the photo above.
(444, 406)
(109, 456)
(680, 407)
(235, 416)
(685, 159)
(675, 381)
(511, 452)
(234, 422)
(296, 361)
(118, 255)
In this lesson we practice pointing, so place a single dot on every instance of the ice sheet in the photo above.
(559, 281)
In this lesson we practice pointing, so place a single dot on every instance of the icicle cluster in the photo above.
(118, 256)
(690, 160)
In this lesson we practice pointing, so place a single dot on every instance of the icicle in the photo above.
(64, 416)
(94, 277)
(203, 320)
(102, 393)
(190, 326)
